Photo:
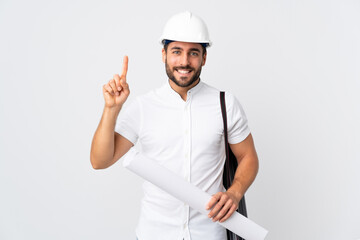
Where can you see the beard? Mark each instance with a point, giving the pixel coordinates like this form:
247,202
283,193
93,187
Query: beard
182,81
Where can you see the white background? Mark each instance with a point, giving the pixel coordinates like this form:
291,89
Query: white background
293,64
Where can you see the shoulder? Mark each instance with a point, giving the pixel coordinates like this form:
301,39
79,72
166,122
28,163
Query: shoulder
208,93
231,99
208,89
137,101
233,105
152,95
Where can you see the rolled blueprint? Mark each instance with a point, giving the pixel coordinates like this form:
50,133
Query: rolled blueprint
188,193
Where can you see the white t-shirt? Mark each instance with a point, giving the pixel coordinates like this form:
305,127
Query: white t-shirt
187,138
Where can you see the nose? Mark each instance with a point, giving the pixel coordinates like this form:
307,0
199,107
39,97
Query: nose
184,60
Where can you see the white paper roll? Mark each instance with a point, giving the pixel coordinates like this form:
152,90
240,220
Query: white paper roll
188,193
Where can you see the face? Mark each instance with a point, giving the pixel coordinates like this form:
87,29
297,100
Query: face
183,62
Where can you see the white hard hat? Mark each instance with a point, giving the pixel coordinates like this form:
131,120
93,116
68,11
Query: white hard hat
186,27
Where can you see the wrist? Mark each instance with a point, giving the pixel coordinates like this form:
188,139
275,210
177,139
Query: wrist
236,192
112,111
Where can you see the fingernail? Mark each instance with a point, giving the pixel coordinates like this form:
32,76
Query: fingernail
119,88
117,93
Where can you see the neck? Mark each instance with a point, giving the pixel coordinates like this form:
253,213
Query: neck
182,91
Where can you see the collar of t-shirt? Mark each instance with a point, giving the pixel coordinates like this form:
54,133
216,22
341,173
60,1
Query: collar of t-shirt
176,96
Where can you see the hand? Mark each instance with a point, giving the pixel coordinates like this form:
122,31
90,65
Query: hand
117,90
223,205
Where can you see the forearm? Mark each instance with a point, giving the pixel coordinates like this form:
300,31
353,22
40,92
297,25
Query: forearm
223,204
245,175
102,147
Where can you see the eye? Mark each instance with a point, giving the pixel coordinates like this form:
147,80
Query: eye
195,54
176,52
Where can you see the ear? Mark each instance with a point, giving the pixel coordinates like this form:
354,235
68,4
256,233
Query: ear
163,55
204,59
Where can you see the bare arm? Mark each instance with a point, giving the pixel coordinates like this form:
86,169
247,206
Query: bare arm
225,204
248,165
107,145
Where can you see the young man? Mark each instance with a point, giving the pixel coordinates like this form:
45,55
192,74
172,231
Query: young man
180,126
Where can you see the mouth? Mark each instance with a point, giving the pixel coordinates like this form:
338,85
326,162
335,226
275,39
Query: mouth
183,72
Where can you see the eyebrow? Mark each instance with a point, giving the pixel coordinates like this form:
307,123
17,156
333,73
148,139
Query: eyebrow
191,49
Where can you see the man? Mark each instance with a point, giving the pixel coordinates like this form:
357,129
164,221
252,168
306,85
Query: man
180,126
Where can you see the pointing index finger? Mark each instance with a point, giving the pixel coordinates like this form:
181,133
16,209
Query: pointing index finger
125,66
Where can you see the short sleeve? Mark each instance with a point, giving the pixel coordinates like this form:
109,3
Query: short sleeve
129,121
238,128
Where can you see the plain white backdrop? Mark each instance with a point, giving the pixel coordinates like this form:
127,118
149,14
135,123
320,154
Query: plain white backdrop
293,64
